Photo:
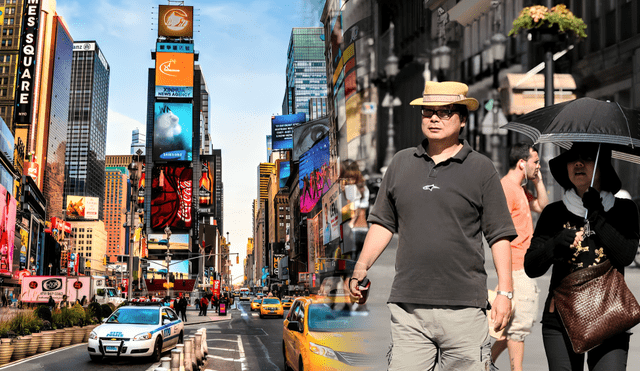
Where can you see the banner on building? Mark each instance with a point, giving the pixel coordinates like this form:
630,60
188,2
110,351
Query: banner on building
331,211
282,129
158,241
174,75
175,21
27,59
314,174
82,208
305,135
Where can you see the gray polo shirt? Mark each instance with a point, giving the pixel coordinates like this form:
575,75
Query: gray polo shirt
440,213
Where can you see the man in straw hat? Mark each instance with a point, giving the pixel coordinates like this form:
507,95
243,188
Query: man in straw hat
441,197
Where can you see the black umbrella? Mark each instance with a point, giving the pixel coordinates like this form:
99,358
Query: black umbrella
584,120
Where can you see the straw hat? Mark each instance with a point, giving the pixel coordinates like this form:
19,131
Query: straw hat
445,93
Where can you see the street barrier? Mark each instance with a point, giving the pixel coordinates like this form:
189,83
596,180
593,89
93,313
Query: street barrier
205,345
180,347
188,354
199,354
175,359
165,362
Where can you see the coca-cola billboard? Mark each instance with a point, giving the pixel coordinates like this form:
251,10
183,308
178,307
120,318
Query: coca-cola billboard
171,197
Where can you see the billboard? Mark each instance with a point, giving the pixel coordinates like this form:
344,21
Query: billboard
176,266
172,132
174,74
7,141
38,289
284,171
314,174
171,190
332,216
81,207
27,62
175,21
282,129
7,230
158,241
306,134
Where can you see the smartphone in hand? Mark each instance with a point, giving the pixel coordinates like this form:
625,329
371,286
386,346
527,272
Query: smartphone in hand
363,286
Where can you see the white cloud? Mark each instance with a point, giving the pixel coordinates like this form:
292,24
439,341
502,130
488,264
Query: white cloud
119,128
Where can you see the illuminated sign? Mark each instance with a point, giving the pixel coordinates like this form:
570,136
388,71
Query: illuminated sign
27,61
171,197
175,21
81,207
282,129
7,231
172,138
158,241
314,175
174,47
174,75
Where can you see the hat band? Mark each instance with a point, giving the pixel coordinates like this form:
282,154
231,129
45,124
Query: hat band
426,98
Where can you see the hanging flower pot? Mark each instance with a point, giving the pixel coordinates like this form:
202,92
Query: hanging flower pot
6,350
546,25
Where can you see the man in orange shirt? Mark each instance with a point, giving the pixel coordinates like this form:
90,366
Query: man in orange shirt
524,166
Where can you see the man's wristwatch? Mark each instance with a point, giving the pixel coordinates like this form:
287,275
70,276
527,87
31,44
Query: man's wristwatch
508,294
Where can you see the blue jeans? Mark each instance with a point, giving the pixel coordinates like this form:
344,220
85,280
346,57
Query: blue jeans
611,355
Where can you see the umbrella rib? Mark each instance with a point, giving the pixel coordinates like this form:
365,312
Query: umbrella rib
628,128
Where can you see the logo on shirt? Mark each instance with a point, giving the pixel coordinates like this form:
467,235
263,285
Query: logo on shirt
430,187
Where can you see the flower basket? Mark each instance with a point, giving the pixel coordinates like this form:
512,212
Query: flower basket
539,21
6,350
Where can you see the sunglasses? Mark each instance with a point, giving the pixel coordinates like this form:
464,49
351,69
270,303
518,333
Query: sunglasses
442,113
575,156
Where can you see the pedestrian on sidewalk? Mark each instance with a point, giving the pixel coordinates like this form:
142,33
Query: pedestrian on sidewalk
524,167
182,304
204,303
215,303
51,303
441,198
196,302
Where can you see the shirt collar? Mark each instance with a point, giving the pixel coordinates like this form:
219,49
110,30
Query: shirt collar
421,150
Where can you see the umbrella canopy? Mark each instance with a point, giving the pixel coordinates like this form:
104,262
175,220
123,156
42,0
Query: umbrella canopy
584,120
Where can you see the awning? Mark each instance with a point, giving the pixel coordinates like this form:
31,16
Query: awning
520,95
465,12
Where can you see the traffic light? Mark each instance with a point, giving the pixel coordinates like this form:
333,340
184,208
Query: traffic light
104,260
237,259
206,272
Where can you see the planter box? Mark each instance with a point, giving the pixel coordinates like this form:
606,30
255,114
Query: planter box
20,347
57,339
66,337
6,351
88,328
78,335
46,341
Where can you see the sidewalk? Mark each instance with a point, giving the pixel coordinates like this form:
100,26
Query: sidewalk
193,318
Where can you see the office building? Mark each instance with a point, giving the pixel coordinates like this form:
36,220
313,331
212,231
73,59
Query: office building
115,201
89,241
87,127
138,141
306,70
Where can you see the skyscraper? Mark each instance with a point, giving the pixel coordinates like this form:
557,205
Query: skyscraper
138,141
115,200
306,70
87,126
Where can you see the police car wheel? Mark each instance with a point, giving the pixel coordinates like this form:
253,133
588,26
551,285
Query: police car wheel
95,358
157,350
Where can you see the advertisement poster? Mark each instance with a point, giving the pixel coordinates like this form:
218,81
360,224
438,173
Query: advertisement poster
331,211
7,230
172,132
81,207
158,241
176,266
174,74
312,240
171,190
314,173
305,135
282,129
216,288
284,171
175,21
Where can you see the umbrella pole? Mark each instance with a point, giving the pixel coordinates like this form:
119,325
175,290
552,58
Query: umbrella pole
587,227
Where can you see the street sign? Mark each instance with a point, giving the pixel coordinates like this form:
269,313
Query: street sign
369,108
489,105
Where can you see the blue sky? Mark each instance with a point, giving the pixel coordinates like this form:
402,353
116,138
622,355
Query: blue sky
242,45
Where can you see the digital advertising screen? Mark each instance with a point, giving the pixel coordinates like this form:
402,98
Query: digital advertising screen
282,129
306,134
174,74
284,171
314,173
175,21
176,266
171,191
7,230
172,131
158,241
82,208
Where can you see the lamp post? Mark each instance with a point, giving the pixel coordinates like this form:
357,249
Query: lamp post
133,176
389,101
167,232
498,52
441,56
50,265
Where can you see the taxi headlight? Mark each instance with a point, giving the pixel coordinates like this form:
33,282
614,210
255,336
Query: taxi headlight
93,335
143,336
322,351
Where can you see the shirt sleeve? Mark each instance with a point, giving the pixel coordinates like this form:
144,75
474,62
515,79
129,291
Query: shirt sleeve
384,210
496,219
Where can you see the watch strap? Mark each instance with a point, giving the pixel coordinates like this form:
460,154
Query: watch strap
508,294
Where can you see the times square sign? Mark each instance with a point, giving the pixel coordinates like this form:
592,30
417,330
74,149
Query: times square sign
27,61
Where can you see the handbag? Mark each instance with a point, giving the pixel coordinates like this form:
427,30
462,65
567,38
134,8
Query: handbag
594,303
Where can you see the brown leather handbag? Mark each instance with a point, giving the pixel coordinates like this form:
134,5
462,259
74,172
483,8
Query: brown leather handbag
594,303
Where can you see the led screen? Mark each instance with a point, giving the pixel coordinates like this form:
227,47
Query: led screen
80,207
176,266
284,171
7,230
306,134
314,174
172,130
158,241
171,190
175,21
282,129
174,75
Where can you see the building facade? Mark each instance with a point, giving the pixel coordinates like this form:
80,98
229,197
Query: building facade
138,141
115,201
90,242
87,125
305,70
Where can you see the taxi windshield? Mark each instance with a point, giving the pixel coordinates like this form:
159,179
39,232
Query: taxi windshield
337,317
270,301
135,316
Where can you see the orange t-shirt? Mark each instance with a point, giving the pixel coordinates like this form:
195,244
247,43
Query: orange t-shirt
518,203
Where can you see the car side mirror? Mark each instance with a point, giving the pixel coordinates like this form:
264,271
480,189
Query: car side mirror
294,326
166,321
104,320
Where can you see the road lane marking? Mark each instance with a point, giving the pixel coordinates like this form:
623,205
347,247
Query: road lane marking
243,359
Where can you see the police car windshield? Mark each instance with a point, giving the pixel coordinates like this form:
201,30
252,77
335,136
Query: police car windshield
135,316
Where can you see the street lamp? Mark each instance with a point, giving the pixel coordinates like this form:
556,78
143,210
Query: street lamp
391,71
133,176
497,56
167,232
50,265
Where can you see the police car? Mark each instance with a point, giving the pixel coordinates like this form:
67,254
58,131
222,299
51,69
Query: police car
137,331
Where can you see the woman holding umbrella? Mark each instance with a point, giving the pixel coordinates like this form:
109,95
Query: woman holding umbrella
564,239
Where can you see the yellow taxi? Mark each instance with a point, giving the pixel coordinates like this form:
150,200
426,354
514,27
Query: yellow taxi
271,306
255,304
328,333
286,302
